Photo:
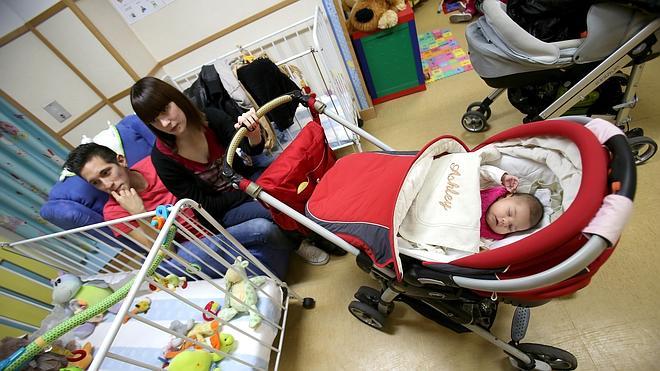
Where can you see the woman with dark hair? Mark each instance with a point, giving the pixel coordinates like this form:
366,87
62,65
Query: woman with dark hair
189,154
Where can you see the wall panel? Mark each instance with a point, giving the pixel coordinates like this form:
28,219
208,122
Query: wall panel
92,126
34,76
124,105
112,26
79,45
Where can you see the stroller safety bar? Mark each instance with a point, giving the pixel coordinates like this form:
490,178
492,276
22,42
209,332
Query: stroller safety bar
566,269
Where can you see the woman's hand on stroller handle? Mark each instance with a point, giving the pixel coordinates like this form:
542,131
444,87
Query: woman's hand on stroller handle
250,121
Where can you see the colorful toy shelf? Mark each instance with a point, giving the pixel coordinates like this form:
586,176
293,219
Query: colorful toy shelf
390,59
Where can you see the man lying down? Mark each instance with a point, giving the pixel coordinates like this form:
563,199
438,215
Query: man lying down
465,205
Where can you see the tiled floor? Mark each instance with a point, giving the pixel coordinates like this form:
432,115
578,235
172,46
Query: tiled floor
613,324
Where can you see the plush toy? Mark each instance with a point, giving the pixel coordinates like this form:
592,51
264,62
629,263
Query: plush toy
142,306
68,287
84,361
70,296
170,281
205,331
69,290
194,360
182,329
246,292
370,15
43,361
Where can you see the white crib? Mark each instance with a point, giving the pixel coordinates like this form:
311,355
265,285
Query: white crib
93,252
309,46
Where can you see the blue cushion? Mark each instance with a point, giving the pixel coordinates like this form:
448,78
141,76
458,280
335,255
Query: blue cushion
137,140
74,203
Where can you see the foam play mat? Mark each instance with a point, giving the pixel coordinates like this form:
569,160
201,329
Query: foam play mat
441,55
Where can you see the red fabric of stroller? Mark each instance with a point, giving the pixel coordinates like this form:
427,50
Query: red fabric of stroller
293,176
357,200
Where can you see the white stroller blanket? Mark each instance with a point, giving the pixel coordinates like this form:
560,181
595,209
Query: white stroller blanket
447,208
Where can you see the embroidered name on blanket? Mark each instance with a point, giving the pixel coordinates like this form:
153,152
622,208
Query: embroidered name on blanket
447,209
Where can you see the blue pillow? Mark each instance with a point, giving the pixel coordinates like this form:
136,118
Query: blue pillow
74,203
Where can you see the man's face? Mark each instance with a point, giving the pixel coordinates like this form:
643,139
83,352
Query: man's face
106,177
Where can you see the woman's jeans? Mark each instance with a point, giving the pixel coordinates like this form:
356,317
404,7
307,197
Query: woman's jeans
251,225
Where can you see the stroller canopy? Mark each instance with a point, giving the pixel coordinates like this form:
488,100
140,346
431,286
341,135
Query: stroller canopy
499,47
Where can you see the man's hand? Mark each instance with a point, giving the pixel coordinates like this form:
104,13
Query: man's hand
250,120
129,200
510,182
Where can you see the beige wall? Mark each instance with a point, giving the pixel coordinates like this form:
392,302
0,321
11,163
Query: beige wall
83,55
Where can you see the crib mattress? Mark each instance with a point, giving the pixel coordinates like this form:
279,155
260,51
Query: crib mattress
144,343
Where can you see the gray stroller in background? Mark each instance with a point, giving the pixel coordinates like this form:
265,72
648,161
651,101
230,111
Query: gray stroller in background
582,76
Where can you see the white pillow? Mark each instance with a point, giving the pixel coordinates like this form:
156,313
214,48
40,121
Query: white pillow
544,195
109,138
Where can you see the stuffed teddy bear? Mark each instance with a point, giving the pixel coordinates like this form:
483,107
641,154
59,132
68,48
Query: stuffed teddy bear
370,15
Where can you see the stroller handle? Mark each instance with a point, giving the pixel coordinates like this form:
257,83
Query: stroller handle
242,131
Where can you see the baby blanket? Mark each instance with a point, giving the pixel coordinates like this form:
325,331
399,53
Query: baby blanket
447,209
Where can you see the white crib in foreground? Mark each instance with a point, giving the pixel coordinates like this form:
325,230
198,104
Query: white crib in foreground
94,252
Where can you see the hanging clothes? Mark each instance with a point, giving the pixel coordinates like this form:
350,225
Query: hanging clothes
231,84
208,91
264,81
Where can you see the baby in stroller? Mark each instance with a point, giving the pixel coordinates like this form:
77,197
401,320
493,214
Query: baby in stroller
503,211
452,215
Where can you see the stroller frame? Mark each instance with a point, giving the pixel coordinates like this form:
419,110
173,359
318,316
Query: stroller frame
635,53
440,296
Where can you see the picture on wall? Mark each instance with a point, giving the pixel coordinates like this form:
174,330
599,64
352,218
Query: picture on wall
134,10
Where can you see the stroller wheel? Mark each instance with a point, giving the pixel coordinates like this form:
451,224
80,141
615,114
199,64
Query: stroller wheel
643,148
474,121
479,106
557,359
371,297
309,303
367,314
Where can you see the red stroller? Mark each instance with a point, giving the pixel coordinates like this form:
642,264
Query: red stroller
360,202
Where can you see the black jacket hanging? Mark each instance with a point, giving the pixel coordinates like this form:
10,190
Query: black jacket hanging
208,91
264,81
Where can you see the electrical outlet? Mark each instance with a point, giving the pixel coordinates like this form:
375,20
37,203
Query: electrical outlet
57,111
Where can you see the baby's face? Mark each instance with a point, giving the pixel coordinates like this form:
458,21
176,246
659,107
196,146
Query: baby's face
508,215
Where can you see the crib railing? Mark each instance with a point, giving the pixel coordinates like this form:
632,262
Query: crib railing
106,250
